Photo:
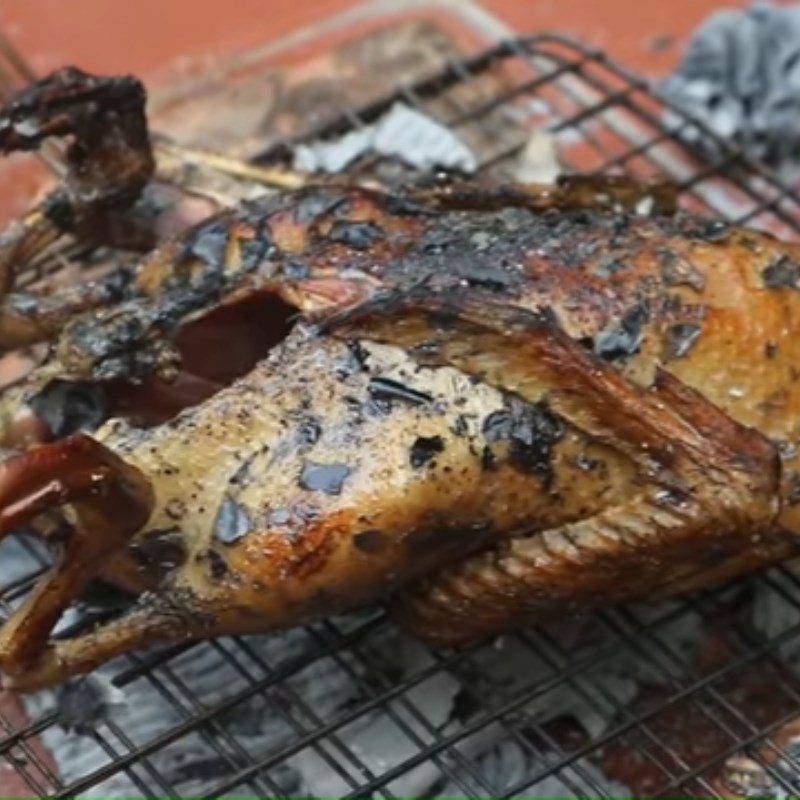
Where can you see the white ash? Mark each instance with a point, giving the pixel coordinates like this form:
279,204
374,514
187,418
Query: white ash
403,133
86,701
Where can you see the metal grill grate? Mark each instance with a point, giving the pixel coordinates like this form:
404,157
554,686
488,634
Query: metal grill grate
699,696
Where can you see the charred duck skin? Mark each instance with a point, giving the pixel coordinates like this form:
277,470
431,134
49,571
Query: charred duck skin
485,406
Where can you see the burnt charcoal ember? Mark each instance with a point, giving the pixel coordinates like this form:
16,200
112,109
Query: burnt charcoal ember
84,703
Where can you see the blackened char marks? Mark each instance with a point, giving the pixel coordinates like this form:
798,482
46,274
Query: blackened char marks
308,431
781,273
212,255
67,407
707,230
389,389
371,541
217,566
159,549
207,242
424,449
256,248
623,339
678,271
315,202
460,426
530,429
457,249
357,235
680,338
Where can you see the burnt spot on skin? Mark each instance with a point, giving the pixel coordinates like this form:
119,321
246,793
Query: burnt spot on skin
207,243
531,430
709,230
242,474
388,389
254,250
326,478
782,273
586,463
348,363
163,549
446,255
57,207
441,536
116,285
679,339
609,267
232,521
315,205
309,431
175,508
460,427
424,449
217,566
357,235
624,339
770,349
359,352
677,271
67,407
488,459
371,541
296,270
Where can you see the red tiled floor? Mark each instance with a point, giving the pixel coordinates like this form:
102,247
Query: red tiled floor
645,36
143,35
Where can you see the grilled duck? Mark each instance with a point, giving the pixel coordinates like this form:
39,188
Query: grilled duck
485,406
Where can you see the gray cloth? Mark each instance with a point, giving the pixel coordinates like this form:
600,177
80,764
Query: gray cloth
740,75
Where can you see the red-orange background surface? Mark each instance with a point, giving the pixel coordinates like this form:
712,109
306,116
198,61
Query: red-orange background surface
145,35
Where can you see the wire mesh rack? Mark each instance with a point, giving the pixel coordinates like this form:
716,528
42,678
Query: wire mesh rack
696,697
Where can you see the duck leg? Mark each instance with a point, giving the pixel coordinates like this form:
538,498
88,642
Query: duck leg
106,501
